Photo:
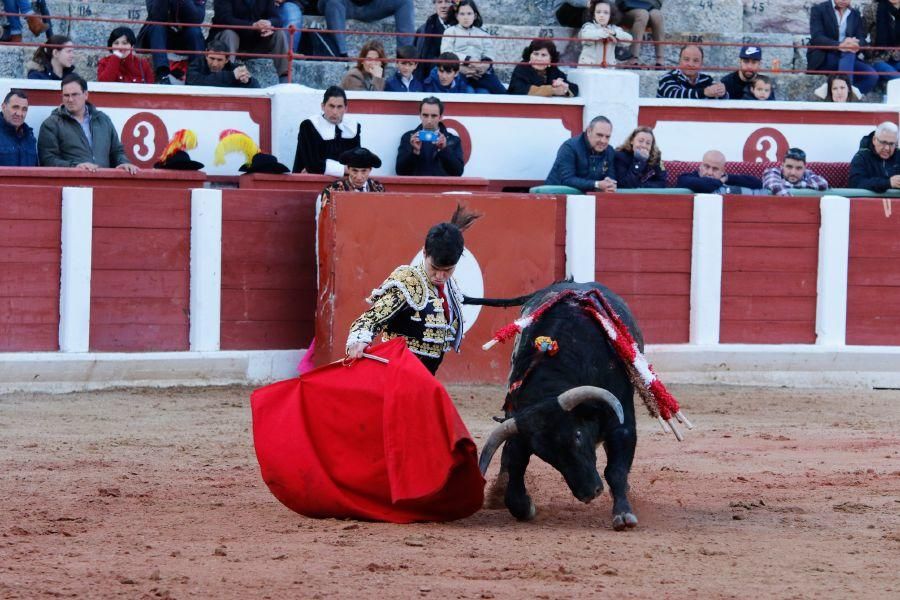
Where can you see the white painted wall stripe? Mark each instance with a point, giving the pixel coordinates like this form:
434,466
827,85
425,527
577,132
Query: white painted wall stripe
831,283
581,227
206,270
706,269
75,269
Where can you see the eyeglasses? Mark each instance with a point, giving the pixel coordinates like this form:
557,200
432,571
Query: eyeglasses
884,143
796,154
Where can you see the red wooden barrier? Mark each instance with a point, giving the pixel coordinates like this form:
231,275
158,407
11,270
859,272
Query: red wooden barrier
316,183
268,269
769,269
140,277
643,253
29,269
61,177
873,284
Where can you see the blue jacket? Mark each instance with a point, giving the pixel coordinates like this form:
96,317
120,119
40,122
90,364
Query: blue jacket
824,31
432,84
18,148
395,83
578,166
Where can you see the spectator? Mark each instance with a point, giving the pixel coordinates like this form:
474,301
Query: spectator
122,65
466,39
163,38
446,78
324,137
687,81
541,77
54,60
368,74
262,16
571,13
405,79
637,14
882,22
876,166
291,13
739,82
711,177
639,161
833,23
18,147
430,47
338,11
215,70
838,89
359,163
760,89
587,162
14,23
430,149
78,135
792,175
601,34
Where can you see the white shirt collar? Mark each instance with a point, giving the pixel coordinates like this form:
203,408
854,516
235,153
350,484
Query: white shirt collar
326,128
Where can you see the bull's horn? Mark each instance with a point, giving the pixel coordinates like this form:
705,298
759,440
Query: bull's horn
572,398
500,434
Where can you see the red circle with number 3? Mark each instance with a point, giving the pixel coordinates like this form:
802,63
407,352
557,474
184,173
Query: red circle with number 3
144,137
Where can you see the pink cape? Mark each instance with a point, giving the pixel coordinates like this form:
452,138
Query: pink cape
371,441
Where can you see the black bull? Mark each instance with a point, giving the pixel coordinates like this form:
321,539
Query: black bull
562,407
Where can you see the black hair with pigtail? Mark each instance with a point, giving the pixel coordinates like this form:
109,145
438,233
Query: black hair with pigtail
444,242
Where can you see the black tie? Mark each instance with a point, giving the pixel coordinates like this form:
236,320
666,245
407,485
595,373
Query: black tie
337,132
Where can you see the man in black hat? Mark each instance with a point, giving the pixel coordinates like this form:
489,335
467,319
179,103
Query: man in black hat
359,163
739,83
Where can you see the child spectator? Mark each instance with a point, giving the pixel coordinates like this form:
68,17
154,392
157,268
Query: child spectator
760,89
472,44
446,78
430,47
639,161
601,33
368,74
541,77
54,60
122,65
404,78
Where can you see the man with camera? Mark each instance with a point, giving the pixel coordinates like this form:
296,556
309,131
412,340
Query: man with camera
429,149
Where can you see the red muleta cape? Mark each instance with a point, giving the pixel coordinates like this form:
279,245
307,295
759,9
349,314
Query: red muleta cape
372,441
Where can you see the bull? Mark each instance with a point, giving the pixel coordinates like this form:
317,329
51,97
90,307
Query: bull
561,407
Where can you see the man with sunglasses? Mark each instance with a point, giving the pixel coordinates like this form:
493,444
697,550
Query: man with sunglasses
792,175
876,166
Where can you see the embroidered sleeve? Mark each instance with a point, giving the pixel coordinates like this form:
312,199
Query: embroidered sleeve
368,324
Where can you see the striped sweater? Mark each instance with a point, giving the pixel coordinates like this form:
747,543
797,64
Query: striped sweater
675,84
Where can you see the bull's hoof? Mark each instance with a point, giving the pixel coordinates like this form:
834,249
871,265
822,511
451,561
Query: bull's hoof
525,513
623,521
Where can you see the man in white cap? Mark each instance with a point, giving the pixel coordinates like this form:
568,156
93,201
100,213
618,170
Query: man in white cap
739,83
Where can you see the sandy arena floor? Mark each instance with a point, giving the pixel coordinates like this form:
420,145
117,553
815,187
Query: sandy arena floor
157,494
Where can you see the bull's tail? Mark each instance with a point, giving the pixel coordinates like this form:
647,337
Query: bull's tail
499,302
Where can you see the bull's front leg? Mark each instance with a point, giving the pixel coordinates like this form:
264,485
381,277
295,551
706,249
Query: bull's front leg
619,455
514,461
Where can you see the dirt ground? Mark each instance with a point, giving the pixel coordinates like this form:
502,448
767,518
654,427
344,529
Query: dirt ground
156,494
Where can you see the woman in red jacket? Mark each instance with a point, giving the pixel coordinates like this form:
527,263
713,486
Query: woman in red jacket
122,65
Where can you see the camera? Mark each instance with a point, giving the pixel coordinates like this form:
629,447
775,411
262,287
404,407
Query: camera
428,136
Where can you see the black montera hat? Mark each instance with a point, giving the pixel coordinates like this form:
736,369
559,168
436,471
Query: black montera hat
360,158
179,161
264,163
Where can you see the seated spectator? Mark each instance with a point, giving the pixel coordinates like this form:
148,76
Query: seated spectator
338,11
446,78
430,149
54,60
847,39
876,166
215,70
792,175
291,13
368,74
359,163
881,19
404,78
687,81
600,35
639,161
14,23
760,89
711,177
18,148
430,47
122,65
739,82
570,13
587,162
541,77
161,37
636,15
838,89
78,135
325,136
466,39
262,16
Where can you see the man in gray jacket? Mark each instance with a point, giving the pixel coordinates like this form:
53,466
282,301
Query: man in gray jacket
78,135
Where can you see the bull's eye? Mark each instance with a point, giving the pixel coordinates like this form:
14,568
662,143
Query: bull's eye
578,437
